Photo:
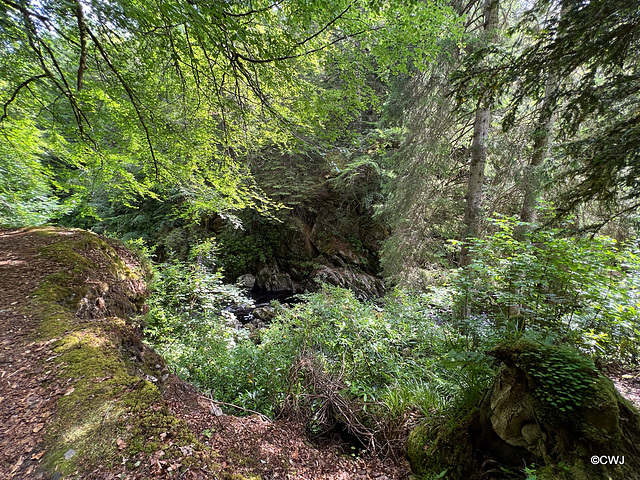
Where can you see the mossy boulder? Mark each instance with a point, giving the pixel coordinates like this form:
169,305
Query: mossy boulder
548,407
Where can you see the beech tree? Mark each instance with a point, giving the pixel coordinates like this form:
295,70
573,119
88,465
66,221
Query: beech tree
140,96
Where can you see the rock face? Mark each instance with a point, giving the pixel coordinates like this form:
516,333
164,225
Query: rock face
328,233
271,279
306,256
512,415
548,406
363,284
247,281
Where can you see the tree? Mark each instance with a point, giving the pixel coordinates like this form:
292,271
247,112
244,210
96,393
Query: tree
177,92
591,46
430,172
475,182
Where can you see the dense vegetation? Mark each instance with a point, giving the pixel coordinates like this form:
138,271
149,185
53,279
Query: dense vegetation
479,157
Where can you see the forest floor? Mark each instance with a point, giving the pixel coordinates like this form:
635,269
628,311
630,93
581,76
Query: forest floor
32,386
236,448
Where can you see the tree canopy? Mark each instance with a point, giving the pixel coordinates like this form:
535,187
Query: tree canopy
139,95
590,49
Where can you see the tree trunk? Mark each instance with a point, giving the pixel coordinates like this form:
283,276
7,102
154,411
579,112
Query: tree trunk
541,141
473,207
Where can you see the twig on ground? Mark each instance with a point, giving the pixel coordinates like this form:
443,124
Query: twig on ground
261,415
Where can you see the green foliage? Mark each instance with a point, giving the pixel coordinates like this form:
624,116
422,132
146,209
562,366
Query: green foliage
27,193
242,249
562,376
577,290
177,96
392,360
375,350
424,190
530,472
596,96
187,294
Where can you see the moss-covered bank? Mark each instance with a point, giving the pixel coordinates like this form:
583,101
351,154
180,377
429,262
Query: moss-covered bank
111,416
549,411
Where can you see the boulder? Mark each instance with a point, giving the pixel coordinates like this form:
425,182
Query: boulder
549,407
247,281
270,278
264,313
364,285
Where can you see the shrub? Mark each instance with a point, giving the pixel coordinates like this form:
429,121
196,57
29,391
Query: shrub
330,359
581,291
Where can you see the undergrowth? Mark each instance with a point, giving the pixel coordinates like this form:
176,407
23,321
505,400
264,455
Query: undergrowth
371,368
330,359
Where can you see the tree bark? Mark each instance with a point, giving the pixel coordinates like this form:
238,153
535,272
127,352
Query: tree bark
82,31
541,141
474,197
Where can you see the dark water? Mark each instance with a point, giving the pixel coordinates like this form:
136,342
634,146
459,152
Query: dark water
261,298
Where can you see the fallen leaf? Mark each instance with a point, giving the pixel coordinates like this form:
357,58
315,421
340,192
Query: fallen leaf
17,465
37,456
121,444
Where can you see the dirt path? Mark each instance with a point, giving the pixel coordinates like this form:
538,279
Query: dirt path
29,387
628,384
279,450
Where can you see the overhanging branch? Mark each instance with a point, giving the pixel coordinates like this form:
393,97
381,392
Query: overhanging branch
17,90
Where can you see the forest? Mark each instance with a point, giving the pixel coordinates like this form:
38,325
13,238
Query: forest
409,226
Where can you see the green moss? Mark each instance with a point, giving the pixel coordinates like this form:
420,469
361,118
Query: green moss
97,408
562,471
241,459
417,445
600,422
441,446
68,251
105,402
88,412
561,377
237,476
580,408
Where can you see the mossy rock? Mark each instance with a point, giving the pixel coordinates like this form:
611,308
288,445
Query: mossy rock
439,447
548,407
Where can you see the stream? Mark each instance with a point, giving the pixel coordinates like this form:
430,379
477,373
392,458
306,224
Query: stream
262,312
